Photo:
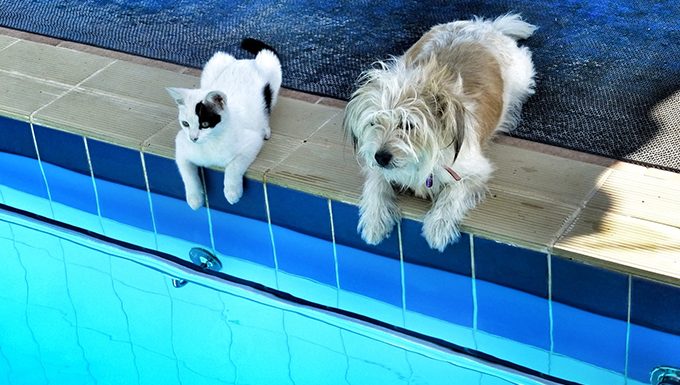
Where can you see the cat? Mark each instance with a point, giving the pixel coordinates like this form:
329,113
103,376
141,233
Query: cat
224,122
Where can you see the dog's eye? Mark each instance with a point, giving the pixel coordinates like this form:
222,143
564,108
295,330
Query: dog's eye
185,123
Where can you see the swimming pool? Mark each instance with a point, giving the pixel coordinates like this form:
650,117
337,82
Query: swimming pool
543,313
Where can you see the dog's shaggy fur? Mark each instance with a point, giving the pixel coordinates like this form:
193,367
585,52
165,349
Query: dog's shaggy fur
421,121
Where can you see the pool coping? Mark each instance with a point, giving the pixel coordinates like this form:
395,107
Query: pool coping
585,207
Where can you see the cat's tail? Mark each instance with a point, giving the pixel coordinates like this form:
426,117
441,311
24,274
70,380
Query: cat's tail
254,46
267,63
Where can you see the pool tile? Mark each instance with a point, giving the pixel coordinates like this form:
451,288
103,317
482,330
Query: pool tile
650,348
21,174
251,204
655,305
16,137
124,121
62,149
140,82
579,334
345,220
121,187
589,288
302,234
56,64
511,266
369,270
242,237
513,314
20,96
68,174
455,258
172,215
439,294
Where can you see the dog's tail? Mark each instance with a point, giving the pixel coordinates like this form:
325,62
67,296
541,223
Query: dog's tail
512,25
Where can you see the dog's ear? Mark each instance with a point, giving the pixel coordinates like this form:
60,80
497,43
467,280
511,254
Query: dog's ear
450,120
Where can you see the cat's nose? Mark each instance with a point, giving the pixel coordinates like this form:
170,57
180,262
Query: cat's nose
194,139
383,158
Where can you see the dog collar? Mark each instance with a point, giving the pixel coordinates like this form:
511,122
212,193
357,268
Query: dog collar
430,179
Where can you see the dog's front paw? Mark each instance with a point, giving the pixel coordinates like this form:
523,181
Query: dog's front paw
233,193
439,232
194,199
374,230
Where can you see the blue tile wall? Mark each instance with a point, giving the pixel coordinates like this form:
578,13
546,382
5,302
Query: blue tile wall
172,215
513,314
651,348
511,266
164,177
655,305
455,258
360,267
58,148
307,250
590,288
117,169
345,220
251,204
242,237
589,337
439,294
16,137
62,149
21,172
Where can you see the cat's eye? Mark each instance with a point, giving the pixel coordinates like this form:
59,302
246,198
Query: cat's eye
204,124
185,123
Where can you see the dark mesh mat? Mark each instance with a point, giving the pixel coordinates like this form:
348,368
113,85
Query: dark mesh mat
608,71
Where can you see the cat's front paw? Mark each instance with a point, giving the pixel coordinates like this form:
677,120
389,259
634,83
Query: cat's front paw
233,193
440,231
195,200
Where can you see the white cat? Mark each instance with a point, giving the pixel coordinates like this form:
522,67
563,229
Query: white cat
225,122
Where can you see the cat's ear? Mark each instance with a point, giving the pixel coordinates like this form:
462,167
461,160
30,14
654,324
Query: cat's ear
177,94
217,99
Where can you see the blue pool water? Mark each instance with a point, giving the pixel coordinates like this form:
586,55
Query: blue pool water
77,310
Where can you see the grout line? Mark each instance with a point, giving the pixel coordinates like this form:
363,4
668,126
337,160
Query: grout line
335,254
94,185
301,143
322,125
271,233
42,169
571,220
148,194
473,280
550,313
12,43
402,276
207,209
630,291
31,116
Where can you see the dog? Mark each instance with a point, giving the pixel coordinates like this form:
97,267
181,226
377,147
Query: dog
421,122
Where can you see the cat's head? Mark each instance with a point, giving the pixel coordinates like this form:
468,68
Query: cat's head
200,111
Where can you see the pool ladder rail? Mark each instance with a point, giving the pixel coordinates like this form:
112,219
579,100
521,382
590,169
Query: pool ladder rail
665,375
205,260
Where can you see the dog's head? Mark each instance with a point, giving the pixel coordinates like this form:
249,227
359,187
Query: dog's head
401,119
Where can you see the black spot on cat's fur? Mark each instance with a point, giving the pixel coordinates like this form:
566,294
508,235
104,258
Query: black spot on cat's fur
267,93
254,46
207,114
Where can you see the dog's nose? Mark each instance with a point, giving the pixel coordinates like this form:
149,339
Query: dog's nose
383,158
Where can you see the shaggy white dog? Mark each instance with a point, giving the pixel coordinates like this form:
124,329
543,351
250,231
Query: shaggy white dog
421,121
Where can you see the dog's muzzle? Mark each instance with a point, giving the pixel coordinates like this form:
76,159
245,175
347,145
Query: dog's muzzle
383,158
